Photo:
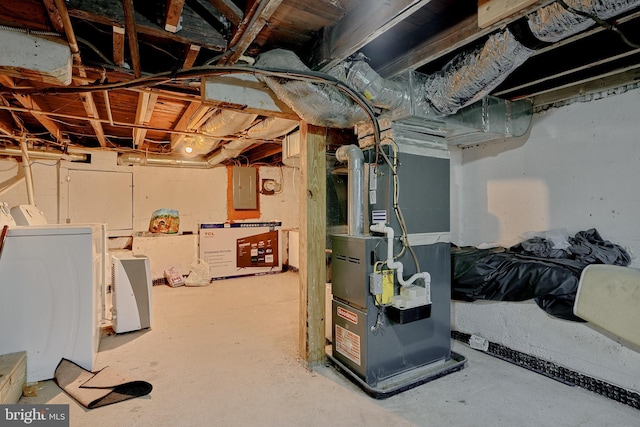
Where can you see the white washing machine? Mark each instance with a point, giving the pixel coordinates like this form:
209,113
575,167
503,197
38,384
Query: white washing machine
51,295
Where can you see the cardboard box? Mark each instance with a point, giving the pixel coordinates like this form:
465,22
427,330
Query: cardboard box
13,375
241,248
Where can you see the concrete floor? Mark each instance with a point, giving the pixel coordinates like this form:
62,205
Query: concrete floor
226,355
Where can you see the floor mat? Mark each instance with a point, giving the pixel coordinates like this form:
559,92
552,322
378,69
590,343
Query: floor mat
95,389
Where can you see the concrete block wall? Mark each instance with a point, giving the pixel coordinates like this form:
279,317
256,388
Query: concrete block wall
577,169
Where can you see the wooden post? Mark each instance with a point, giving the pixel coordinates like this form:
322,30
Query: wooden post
313,222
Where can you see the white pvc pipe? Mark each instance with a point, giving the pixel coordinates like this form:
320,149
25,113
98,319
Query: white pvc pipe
27,171
379,227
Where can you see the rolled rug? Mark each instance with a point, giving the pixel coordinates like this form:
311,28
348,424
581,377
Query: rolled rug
95,389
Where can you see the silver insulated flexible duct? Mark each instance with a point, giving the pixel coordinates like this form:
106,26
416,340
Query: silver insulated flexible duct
318,104
470,76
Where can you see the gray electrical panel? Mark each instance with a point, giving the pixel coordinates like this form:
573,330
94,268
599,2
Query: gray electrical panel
245,191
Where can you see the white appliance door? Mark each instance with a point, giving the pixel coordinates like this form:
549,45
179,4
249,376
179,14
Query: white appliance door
48,298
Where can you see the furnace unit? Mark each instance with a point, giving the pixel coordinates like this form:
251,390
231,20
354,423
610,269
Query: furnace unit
391,273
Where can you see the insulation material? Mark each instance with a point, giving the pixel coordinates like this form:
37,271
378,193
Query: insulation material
554,23
470,76
199,144
317,104
272,127
360,76
230,150
227,122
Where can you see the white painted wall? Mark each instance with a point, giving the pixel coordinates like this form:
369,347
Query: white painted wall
578,169
200,195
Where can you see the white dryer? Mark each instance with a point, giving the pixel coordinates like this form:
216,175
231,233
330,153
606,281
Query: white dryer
51,295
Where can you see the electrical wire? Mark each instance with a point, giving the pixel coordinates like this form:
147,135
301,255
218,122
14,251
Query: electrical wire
600,22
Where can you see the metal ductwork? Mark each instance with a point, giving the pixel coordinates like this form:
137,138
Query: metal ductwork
230,150
44,155
470,76
355,193
147,159
227,122
318,104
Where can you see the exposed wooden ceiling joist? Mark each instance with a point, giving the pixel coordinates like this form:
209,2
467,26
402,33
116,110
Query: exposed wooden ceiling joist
146,104
132,36
118,46
264,150
54,15
450,40
229,10
254,24
34,108
173,12
110,13
190,56
362,25
87,98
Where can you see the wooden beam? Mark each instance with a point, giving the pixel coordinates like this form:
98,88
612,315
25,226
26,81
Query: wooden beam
92,113
173,12
193,117
118,46
313,221
35,107
191,55
255,24
54,15
549,77
6,123
360,26
87,98
262,151
229,10
434,47
602,82
449,40
44,113
132,35
492,11
146,104
110,13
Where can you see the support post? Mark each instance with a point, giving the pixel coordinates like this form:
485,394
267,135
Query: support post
313,242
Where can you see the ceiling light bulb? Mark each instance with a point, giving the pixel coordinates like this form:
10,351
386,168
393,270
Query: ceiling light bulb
188,149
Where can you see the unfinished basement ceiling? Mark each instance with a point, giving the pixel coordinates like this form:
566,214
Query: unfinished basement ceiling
119,41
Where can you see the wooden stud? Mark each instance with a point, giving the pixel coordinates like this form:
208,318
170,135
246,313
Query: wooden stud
6,123
35,107
229,10
450,39
194,116
146,104
54,15
110,13
173,12
492,11
312,248
92,113
363,24
190,57
118,46
256,23
132,35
